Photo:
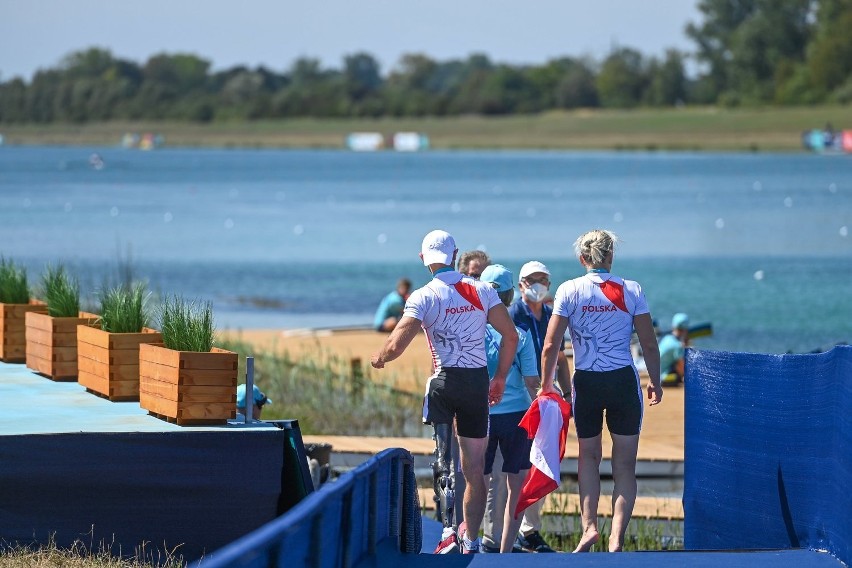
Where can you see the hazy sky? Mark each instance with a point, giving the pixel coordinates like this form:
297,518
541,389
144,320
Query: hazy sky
39,33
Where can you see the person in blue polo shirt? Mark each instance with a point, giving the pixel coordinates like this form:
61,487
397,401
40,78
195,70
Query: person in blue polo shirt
521,384
532,313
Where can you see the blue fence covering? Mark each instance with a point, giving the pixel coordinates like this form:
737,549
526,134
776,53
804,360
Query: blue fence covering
768,454
371,508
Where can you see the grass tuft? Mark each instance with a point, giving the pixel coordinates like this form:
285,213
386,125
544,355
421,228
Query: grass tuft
187,326
330,396
13,283
61,292
81,555
124,308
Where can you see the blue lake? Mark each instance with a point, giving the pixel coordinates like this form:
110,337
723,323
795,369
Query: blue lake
757,244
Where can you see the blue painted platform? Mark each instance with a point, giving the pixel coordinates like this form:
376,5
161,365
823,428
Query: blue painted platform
34,404
75,466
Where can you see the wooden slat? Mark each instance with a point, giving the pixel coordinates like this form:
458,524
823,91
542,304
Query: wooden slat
64,370
189,393
132,341
157,405
113,390
215,359
201,412
39,364
59,354
208,377
107,340
109,372
19,311
40,321
13,352
205,411
93,382
55,339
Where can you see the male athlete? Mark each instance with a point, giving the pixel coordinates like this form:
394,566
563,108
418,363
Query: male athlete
453,310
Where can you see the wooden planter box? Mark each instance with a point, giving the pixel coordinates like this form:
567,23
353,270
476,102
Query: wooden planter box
187,387
108,363
13,337
52,344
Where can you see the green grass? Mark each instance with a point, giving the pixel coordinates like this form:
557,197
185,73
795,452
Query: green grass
61,292
564,529
329,396
187,326
13,283
81,555
124,308
687,128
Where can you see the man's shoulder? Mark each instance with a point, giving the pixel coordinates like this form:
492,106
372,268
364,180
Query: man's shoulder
518,313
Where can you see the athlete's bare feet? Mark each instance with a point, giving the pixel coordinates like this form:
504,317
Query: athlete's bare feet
588,540
615,546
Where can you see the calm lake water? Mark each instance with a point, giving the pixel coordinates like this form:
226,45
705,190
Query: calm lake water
757,244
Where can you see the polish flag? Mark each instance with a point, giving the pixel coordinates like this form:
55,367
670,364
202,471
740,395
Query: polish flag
546,423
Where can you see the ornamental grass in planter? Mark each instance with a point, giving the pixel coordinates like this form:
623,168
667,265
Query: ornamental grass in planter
52,337
186,379
15,302
108,355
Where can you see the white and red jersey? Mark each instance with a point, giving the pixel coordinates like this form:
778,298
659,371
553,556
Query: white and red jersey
600,309
453,310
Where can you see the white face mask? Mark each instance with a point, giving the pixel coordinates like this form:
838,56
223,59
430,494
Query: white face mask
535,293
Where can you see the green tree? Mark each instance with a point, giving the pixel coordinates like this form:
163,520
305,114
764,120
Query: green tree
668,80
577,88
622,80
361,75
745,42
829,56
13,101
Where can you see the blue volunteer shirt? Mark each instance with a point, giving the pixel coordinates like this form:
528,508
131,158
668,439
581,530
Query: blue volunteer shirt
524,319
391,305
516,397
671,349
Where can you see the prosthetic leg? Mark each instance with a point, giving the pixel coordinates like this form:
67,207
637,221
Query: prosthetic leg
444,474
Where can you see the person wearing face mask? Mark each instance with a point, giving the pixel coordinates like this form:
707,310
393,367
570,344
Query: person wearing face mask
532,313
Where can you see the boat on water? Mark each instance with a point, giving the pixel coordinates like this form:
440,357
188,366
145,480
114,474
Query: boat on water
144,141
828,140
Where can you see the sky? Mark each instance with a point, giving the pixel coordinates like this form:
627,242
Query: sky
37,34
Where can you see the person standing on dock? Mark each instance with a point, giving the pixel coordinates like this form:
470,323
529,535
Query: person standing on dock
505,435
601,310
532,313
453,310
473,262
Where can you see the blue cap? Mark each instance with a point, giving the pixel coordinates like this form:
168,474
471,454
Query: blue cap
259,398
680,321
498,276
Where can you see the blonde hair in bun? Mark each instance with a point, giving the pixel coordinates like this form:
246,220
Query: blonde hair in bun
595,246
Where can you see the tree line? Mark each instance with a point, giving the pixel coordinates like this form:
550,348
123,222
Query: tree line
748,52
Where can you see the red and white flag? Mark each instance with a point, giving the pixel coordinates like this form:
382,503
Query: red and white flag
546,423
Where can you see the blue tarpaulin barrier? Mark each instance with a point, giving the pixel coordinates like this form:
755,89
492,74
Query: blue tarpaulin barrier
769,451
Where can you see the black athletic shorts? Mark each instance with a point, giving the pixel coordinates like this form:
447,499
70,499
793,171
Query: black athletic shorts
514,443
460,393
617,392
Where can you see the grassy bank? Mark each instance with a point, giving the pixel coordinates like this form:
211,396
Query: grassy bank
704,128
